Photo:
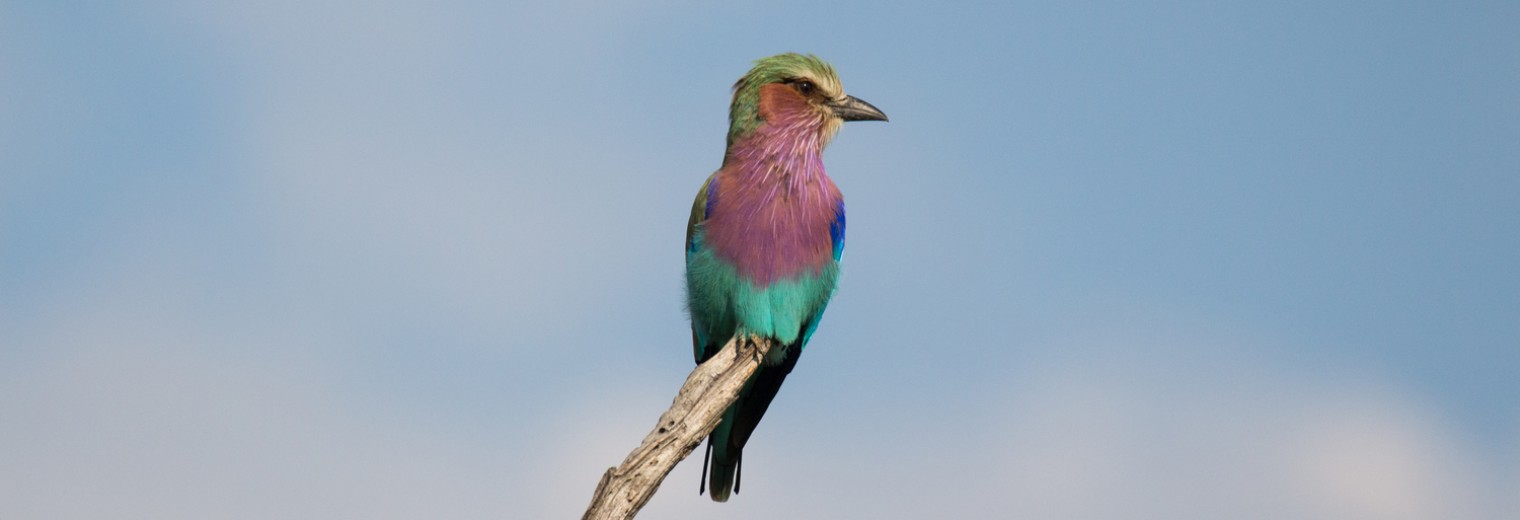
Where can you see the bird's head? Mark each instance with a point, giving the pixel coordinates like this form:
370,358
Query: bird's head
799,91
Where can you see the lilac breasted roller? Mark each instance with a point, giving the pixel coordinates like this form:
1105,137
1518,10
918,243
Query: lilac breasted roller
765,235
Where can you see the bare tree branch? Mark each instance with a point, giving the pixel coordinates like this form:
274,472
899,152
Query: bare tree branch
698,407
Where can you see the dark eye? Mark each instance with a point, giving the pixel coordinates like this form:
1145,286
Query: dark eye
805,87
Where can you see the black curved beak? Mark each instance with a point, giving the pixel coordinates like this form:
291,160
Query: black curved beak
856,109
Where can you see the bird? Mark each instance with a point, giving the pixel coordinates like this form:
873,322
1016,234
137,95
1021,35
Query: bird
765,236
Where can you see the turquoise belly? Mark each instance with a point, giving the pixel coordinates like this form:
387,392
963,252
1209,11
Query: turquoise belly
723,304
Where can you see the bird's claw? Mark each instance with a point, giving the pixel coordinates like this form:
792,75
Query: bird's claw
749,344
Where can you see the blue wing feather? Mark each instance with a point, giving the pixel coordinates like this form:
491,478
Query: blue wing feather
700,209
836,230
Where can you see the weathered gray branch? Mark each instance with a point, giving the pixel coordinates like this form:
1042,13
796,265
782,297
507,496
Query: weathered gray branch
698,407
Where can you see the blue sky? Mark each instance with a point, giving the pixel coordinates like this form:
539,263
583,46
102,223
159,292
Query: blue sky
396,260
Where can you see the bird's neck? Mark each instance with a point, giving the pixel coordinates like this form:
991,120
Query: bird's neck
784,152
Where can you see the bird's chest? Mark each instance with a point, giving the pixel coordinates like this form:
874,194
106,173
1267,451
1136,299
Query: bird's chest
773,235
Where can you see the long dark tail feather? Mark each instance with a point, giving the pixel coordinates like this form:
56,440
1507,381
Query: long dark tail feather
726,443
706,457
725,473
720,483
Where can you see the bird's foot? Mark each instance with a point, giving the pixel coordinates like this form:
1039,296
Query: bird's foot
749,344
740,343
